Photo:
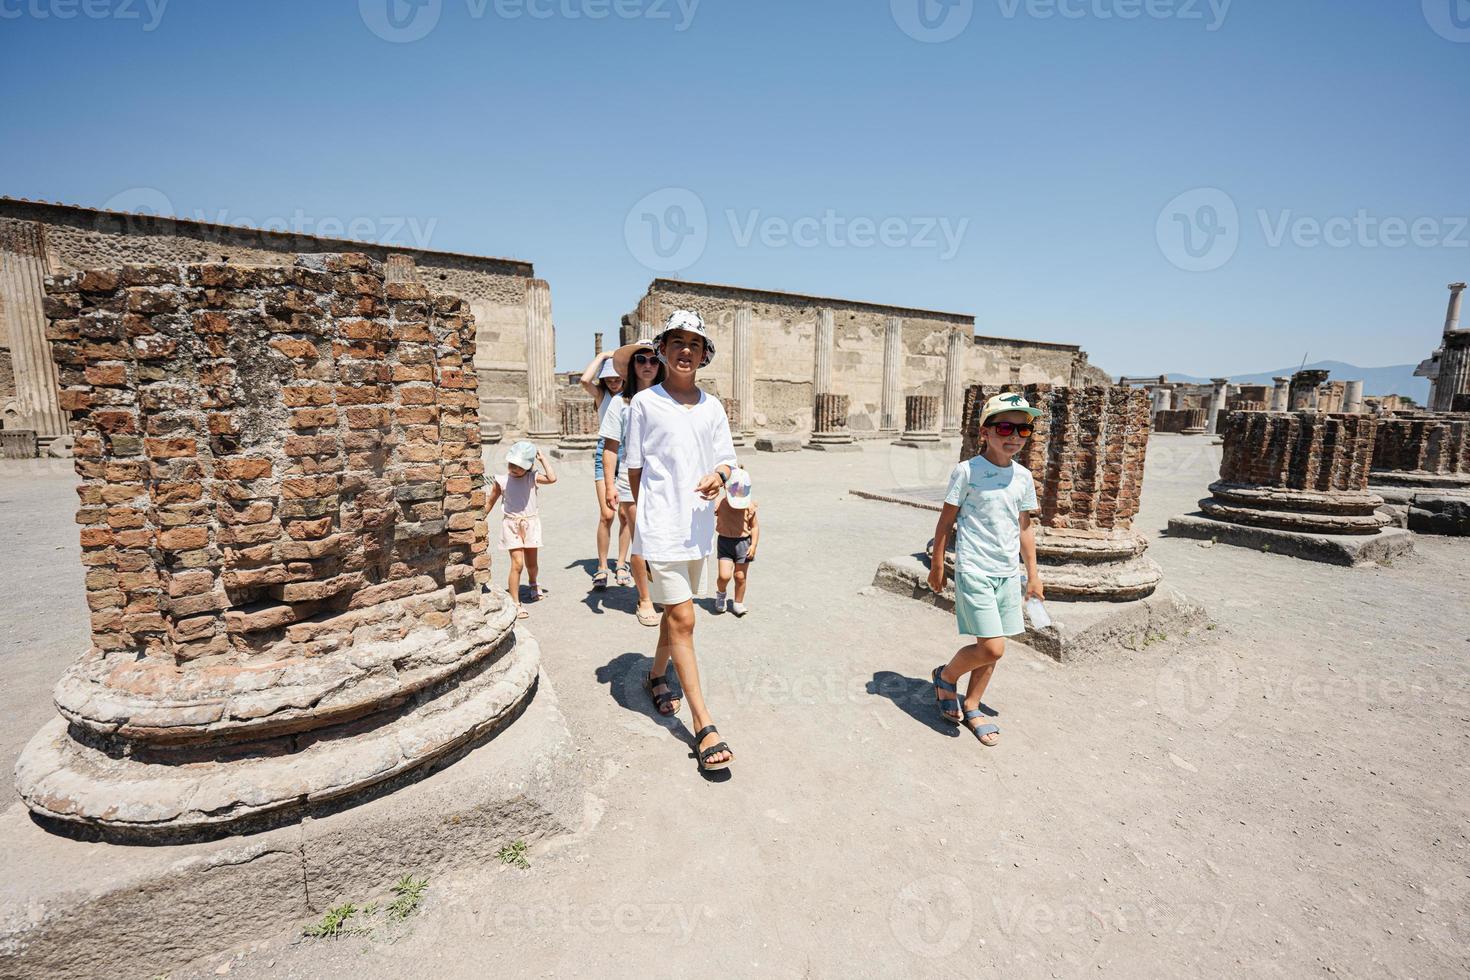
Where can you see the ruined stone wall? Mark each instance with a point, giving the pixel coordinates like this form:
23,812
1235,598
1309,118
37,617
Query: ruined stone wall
783,327
269,456
1312,451
1438,444
495,289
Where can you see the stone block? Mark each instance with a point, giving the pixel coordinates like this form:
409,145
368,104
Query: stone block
1385,544
777,443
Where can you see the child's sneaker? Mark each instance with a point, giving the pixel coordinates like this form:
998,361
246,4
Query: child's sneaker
720,602
738,609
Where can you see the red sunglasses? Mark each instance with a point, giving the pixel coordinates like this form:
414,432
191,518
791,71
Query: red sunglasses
1022,429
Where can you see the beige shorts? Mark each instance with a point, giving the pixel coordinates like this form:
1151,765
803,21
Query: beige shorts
520,532
673,582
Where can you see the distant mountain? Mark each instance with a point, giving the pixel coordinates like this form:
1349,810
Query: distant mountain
1397,379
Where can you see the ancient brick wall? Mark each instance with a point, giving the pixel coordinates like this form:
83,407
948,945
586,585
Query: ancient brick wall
269,455
1438,444
1178,419
1087,454
1298,450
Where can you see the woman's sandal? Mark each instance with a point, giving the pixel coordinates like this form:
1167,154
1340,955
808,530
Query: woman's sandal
662,701
946,705
599,580
625,576
982,730
651,618
716,749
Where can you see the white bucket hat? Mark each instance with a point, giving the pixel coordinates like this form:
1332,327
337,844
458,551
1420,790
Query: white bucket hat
522,454
692,322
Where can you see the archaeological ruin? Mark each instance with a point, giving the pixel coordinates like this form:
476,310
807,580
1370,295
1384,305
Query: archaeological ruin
514,344
1421,468
1448,367
785,349
1297,483
282,520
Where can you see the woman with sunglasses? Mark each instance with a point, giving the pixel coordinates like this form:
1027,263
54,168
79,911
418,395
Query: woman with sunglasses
640,364
602,382
992,498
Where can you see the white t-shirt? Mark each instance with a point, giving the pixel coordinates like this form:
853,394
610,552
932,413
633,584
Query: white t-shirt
614,414
675,447
991,499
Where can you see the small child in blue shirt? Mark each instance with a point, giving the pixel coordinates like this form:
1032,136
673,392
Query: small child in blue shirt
990,502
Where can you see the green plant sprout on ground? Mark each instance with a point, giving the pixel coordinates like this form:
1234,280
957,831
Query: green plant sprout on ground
351,919
410,892
334,923
514,854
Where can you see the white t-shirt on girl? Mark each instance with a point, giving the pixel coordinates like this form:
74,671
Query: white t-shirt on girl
675,447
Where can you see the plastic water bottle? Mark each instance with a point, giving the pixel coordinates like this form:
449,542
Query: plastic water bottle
1036,612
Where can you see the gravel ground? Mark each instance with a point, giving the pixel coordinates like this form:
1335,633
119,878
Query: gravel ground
1279,795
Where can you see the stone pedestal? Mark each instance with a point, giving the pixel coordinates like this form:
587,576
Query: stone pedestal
732,412
579,425
1303,476
283,524
921,421
829,433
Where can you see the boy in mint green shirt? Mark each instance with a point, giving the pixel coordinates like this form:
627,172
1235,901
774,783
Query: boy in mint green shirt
990,501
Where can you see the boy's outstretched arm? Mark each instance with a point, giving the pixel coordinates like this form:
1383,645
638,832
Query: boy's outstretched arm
941,538
1028,556
546,475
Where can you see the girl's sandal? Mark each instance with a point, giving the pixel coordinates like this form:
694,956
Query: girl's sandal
667,703
981,730
521,613
949,708
599,581
716,749
625,576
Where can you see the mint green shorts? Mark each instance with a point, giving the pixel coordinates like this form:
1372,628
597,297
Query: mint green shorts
988,607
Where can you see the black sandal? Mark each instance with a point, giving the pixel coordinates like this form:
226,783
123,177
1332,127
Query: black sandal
661,701
715,749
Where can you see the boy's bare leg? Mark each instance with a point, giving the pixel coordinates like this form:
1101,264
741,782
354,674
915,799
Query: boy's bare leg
993,648
967,659
676,642
740,573
726,569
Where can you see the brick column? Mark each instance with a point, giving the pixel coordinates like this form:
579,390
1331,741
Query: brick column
743,352
921,421
892,375
22,296
544,422
1087,457
284,531
1423,451
829,425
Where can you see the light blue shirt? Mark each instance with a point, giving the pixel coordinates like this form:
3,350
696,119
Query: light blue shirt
991,499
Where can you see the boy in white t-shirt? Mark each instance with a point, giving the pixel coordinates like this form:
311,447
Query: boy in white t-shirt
679,454
993,499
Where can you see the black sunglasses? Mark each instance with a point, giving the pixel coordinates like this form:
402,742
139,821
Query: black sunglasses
644,359
1022,429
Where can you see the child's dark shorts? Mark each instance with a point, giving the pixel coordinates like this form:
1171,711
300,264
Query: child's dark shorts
734,549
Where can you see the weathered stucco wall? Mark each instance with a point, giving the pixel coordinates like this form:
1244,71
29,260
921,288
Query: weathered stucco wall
83,238
784,331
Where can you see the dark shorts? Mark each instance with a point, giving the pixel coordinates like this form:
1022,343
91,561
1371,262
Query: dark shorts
734,549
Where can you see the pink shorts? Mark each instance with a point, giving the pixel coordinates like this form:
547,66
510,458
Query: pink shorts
520,532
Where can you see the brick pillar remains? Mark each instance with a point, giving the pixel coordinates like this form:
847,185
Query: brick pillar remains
579,424
743,352
1281,395
921,421
1216,406
732,412
1297,471
892,375
1194,422
283,525
1424,451
544,424
1087,457
1304,385
829,427
23,304
954,368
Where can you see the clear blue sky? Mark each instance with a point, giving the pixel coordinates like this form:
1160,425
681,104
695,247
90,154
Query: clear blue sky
1054,141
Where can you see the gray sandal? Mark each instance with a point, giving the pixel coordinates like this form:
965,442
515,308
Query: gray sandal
981,730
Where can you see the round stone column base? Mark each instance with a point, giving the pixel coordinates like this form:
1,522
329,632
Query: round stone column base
1100,566
1321,512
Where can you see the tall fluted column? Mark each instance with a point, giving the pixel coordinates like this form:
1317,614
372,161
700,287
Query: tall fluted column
892,375
545,422
1352,397
22,289
1454,371
822,378
1281,394
954,368
743,351
1217,405
1452,313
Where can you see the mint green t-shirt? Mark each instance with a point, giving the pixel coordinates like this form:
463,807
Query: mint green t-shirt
991,499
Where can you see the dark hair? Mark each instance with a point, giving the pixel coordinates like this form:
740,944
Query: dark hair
602,383
630,387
